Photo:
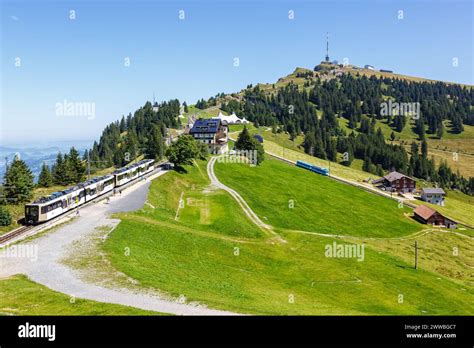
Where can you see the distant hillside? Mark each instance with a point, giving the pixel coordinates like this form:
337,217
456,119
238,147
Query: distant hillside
330,70
336,111
36,154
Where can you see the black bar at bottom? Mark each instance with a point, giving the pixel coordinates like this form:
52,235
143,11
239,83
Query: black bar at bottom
427,331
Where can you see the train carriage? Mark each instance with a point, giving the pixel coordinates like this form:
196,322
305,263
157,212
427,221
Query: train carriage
127,174
47,208
313,168
146,166
98,186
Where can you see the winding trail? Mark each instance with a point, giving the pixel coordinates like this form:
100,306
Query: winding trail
243,204
256,220
56,245
48,269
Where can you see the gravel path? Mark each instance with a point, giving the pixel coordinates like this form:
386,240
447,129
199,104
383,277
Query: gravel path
243,204
56,245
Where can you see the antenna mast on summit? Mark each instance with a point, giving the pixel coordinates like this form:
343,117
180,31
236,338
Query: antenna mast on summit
327,47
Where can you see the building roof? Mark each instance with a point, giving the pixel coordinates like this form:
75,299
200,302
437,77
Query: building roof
210,125
433,190
392,177
424,212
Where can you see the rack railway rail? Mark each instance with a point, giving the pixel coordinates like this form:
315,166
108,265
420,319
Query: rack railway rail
15,233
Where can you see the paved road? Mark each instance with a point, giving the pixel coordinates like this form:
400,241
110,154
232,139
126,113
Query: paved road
57,245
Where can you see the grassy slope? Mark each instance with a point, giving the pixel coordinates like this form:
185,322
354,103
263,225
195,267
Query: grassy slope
20,296
187,257
320,204
441,149
201,203
280,145
459,206
448,253
210,112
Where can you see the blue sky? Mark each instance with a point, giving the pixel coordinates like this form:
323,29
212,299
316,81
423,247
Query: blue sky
82,60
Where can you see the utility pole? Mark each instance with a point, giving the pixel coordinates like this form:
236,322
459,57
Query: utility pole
416,254
88,166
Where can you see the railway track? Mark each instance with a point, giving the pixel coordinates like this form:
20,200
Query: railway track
4,239
15,233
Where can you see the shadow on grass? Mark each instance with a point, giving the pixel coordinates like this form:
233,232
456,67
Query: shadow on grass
417,219
412,267
180,170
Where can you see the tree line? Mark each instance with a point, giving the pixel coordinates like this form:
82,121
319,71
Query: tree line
143,133
314,111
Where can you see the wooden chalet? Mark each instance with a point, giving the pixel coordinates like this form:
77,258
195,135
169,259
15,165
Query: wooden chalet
396,182
430,216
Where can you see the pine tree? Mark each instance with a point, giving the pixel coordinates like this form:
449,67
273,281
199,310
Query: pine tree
45,178
367,166
420,128
243,140
85,156
247,143
457,126
123,125
319,147
309,143
156,147
364,125
131,146
75,166
18,182
331,150
69,173
119,157
59,171
440,130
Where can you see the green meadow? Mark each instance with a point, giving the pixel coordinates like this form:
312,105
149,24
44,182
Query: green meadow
21,296
294,198
209,252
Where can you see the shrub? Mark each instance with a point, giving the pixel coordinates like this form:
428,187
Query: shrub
5,216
